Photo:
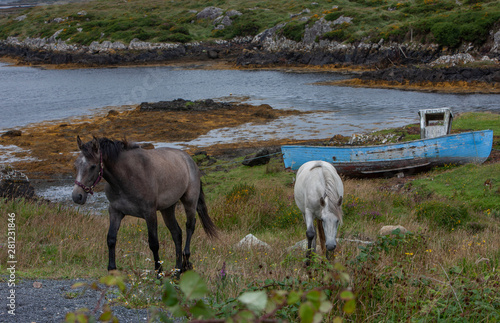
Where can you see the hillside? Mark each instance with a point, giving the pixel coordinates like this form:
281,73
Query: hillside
371,33
445,22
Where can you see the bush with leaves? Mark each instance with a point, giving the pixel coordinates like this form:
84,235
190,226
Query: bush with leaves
310,302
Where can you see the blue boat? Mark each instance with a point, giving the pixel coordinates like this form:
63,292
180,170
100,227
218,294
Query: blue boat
455,149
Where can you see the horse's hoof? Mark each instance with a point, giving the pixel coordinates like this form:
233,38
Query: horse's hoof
187,266
176,273
114,272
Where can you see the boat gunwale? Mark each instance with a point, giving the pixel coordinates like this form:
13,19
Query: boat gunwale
404,143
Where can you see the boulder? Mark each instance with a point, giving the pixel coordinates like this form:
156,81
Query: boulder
388,229
261,158
319,28
209,13
14,184
250,241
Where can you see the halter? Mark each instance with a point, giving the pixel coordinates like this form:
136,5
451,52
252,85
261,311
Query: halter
90,189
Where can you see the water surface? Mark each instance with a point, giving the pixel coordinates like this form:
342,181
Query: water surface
33,94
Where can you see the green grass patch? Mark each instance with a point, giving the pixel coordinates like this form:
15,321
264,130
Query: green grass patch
479,185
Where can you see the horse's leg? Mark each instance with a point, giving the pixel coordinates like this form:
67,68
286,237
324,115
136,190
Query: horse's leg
152,224
190,225
176,232
311,236
115,218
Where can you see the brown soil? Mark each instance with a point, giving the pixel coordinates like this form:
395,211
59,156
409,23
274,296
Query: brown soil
54,144
459,87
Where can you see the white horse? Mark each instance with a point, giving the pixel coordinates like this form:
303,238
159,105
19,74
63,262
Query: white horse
318,194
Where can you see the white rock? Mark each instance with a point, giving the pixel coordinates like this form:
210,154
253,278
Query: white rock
387,229
250,241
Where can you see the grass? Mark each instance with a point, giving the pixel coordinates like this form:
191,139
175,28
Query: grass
446,22
446,267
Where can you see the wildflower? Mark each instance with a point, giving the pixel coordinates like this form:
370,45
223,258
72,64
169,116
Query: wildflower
222,273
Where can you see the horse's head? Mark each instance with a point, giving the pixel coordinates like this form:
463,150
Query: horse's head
331,217
89,170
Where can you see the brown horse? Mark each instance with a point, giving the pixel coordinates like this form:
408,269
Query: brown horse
140,182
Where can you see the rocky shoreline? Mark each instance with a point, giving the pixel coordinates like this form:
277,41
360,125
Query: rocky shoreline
386,61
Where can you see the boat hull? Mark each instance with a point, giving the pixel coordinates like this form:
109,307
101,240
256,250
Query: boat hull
456,149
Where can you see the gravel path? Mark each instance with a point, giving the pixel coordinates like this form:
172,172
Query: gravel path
50,302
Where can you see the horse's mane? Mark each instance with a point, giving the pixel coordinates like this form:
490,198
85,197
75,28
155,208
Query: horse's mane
109,148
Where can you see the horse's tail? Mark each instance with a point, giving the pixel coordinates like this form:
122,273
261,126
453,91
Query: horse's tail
201,208
321,234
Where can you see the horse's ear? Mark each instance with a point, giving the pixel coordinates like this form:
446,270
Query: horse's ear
322,202
340,201
95,144
79,142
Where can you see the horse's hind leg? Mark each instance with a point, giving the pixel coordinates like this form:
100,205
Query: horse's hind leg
176,232
152,224
115,219
190,225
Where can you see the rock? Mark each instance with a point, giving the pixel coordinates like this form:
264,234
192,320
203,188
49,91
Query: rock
14,184
232,13
184,105
301,245
20,18
59,20
342,20
112,113
319,28
452,60
388,229
209,13
250,241
12,133
496,42
223,20
213,54
261,158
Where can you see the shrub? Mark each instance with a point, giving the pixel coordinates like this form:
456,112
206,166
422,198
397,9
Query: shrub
336,35
446,34
294,30
444,215
179,30
240,192
333,16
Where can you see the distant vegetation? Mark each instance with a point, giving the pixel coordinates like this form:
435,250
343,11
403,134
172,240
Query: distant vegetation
446,22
